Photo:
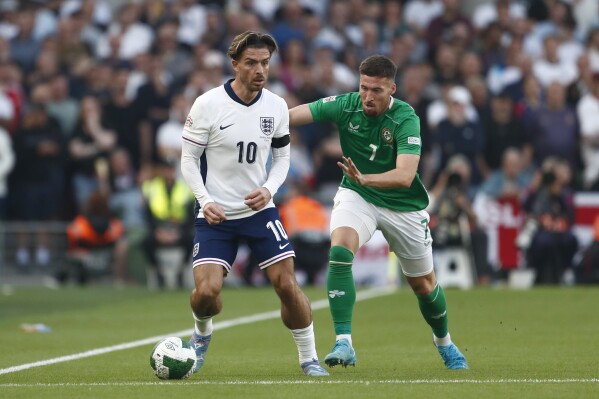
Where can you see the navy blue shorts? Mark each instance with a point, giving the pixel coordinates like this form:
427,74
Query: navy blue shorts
263,232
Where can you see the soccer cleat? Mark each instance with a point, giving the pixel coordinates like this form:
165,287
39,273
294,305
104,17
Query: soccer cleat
200,345
452,357
342,354
313,369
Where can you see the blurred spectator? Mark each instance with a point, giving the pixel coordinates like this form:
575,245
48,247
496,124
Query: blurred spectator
550,69
470,66
338,33
39,173
453,221
98,80
62,106
440,28
125,197
177,62
169,215
289,24
24,47
168,137
457,135
588,115
307,224
154,96
126,36
446,64
392,24
126,119
192,21
551,244
439,108
504,130
499,10
556,129
511,180
419,13
293,63
492,51
7,161
95,243
412,91
90,142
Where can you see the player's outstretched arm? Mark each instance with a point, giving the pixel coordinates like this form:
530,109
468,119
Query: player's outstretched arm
402,176
300,115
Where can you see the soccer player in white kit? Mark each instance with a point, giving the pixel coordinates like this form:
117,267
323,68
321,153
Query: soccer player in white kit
236,126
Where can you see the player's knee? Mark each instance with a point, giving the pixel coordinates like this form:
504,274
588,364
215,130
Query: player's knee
205,293
285,286
422,285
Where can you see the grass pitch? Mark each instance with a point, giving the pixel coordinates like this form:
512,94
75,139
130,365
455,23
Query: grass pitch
540,343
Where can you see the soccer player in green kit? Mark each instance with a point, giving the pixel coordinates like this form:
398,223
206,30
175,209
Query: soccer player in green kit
380,189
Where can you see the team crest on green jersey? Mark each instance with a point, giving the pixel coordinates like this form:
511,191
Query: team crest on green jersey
387,135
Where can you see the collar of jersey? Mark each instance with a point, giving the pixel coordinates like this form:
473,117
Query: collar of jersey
234,96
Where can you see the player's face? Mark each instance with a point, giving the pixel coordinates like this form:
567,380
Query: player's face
375,93
252,68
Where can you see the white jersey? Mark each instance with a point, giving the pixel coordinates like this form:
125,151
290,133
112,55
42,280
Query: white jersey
236,138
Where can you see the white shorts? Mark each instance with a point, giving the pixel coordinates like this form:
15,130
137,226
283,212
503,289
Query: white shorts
406,232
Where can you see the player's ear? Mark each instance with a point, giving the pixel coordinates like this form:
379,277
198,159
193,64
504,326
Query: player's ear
235,65
393,88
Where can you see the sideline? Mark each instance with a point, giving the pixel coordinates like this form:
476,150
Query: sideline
321,304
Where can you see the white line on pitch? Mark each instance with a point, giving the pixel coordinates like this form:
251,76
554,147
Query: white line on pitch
313,382
321,304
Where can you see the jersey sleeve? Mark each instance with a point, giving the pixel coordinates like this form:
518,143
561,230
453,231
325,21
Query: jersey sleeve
283,126
197,125
326,109
407,135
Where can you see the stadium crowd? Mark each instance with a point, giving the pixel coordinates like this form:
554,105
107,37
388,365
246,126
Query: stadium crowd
94,95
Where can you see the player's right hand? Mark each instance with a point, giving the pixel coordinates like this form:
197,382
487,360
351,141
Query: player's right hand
214,213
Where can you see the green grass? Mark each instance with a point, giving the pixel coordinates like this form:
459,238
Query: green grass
515,342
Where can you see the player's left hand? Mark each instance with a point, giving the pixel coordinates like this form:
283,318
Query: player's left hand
351,171
258,198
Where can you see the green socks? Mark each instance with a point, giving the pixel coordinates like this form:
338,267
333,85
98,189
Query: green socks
341,288
434,310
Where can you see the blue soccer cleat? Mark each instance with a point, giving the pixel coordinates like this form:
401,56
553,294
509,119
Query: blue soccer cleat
452,357
200,345
342,354
313,369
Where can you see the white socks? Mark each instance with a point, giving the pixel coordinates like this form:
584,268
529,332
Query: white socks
446,340
306,346
344,336
203,325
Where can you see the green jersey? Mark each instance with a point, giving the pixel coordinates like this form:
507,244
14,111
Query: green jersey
373,144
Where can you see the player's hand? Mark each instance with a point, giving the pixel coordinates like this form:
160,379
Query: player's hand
258,198
351,171
214,213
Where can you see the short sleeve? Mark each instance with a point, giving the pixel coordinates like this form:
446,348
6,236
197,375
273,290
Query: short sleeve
326,109
407,135
283,126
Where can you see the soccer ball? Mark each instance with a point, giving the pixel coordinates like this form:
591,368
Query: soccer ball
172,359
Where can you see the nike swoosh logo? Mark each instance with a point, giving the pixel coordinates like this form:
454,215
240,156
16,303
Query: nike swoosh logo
283,246
224,127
